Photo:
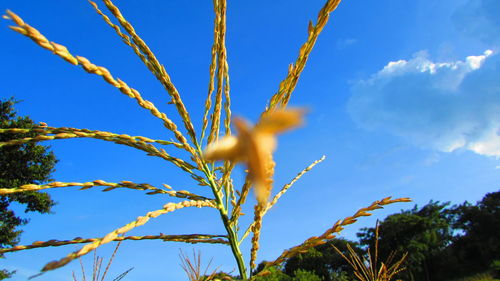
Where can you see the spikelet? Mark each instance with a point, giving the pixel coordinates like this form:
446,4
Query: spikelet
63,52
286,87
167,208
125,38
157,69
331,232
109,187
275,198
241,200
186,238
219,61
138,142
212,67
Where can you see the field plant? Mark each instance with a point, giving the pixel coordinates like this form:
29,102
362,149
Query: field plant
369,268
192,267
213,150
479,277
97,273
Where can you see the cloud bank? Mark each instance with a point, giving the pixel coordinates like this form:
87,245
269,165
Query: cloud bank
440,105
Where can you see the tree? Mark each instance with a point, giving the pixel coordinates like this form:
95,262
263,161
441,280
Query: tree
21,164
477,245
324,261
276,274
424,233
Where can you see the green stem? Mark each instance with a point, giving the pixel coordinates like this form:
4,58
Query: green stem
232,235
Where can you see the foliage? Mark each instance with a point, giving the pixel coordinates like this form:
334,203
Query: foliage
495,267
27,163
476,245
275,274
323,260
448,241
252,145
369,267
304,275
341,276
443,243
422,232
478,277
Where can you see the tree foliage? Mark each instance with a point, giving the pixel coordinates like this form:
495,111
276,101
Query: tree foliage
275,274
324,261
27,163
443,243
477,244
422,232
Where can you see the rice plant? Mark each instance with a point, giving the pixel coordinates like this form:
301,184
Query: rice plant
213,151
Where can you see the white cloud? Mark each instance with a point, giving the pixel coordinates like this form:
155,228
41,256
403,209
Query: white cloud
442,105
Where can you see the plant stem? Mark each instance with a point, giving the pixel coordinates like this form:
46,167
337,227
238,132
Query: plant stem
232,235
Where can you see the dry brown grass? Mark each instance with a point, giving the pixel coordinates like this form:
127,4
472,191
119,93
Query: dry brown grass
97,267
253,145
369,268
192,267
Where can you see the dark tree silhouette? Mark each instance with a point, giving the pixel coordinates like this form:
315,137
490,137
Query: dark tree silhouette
323,260
424,233
477,244
28,163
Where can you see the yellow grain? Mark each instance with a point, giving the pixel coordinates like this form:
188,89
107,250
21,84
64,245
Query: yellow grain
125,38
109,187
157,69
212,67
61,51
222,72
280,193
286,87
167,208
186,238
138,142
336,228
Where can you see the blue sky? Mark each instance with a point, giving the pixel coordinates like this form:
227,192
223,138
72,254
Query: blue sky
404,100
